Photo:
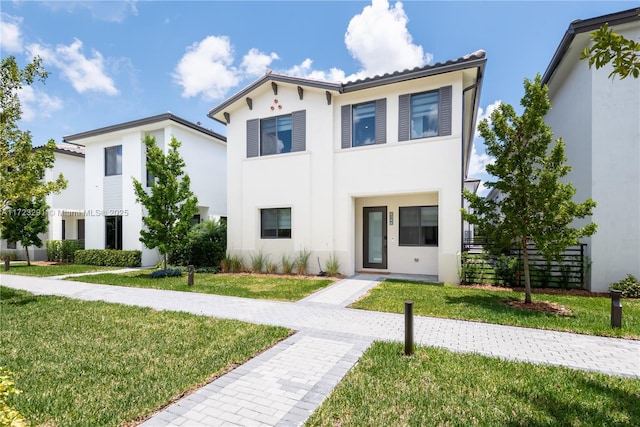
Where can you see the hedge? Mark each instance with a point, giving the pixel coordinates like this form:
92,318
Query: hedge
62,250
109,257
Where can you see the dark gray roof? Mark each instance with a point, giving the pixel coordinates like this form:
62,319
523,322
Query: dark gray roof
142,122
584,26
468,61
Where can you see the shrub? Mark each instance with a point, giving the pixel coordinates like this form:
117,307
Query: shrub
62,250
204,246
258,261
169,272
287,264
232,264
630,286
473,268
507,269
8,415
333,265
12,255
270,267
109,257
302,261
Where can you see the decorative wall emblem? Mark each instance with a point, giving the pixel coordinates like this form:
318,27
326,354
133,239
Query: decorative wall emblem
276,105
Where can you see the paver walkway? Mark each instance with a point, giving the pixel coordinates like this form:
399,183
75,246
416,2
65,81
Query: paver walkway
285,384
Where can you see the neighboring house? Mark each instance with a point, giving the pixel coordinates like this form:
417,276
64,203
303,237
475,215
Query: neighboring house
116,154
369,171
468,230
66,209
598,118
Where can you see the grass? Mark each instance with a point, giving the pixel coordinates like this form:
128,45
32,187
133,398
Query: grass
589,315
23,269
246,286
93,363
437,387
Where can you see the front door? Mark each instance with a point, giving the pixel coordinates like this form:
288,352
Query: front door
374,250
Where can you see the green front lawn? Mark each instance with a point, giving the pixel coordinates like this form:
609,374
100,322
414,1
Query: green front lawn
22,269
436,387
246,286
589,315
86,363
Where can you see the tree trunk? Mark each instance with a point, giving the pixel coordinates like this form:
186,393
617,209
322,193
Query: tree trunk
28,260
527,277
164,261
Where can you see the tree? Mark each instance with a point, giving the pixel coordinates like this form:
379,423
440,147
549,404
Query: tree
22,168
537,207
26,219
169,204
609,47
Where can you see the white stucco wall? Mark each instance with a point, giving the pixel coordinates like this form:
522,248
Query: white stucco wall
114,195
599,119
326,186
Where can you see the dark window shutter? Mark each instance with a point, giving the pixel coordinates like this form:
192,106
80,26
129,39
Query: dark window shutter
381,121
346,126
444,111
298,130
253,132
404,118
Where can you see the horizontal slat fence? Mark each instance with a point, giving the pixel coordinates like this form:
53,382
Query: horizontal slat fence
479,266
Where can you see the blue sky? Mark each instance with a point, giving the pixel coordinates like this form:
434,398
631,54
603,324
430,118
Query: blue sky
116,61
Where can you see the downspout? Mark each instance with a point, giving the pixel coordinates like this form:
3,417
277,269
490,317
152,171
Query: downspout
463,165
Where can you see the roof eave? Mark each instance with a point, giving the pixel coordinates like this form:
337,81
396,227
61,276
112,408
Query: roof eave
580,26
142,122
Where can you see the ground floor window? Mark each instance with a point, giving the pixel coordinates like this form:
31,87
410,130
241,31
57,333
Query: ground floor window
418,226
275,223
11,245
113,232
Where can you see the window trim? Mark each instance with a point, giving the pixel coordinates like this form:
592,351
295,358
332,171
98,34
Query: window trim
419,226
118,150
277,229
444,114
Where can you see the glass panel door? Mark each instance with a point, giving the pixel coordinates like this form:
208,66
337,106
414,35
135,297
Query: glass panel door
374,237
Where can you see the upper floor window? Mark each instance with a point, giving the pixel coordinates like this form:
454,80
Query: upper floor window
113,160
418,226
275,223
364,124
425,114
276,135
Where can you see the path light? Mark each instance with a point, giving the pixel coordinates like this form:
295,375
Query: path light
408,328
616,309
190,275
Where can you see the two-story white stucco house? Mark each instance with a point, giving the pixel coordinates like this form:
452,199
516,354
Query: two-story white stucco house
369,171
66,209
114,155
598,117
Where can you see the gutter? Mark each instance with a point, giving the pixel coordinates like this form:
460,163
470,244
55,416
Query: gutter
464,162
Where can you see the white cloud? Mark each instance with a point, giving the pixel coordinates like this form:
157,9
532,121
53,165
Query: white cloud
207,69
84,74
255,63
10,33
37,104
479,161
378,38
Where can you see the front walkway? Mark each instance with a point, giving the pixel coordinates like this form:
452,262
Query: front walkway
284,385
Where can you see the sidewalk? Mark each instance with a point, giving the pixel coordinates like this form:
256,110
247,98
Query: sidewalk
285,384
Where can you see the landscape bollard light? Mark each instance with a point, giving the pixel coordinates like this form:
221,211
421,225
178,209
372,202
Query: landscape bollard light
7,264
616,309
408,328
190,275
